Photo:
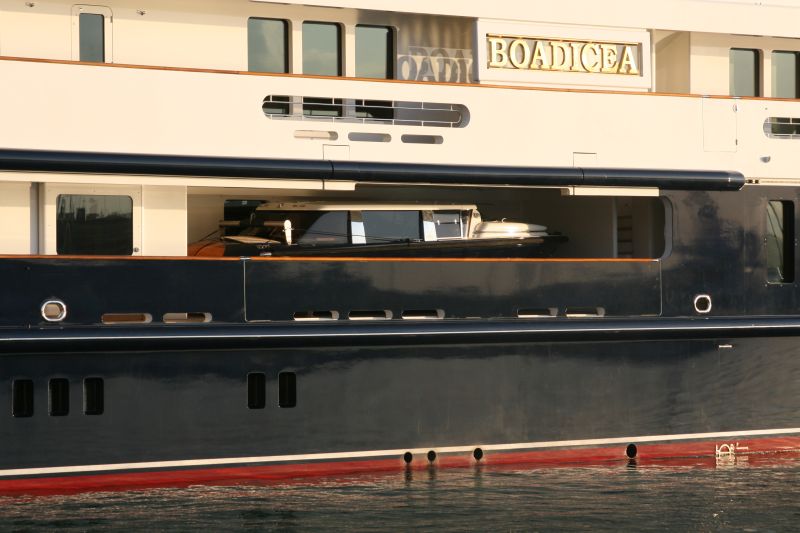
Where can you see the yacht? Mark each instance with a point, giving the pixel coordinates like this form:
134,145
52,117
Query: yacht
643,157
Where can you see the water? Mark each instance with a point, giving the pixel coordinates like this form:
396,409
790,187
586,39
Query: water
749,495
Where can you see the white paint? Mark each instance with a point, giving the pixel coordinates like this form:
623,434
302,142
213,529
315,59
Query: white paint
164,221
393,453
762,17
16,235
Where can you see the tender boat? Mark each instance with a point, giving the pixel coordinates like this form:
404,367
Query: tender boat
375,230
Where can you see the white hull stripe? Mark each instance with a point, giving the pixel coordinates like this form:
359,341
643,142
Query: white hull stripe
390,453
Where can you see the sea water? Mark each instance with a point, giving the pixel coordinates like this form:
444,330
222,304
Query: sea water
746,494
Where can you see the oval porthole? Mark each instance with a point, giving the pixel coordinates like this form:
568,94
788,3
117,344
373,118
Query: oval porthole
54,310
702,304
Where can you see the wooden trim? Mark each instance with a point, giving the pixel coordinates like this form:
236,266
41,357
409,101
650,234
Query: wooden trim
377,80
331,259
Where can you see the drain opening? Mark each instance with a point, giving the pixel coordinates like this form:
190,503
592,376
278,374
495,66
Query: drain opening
407,457
631,451
477,453
431,456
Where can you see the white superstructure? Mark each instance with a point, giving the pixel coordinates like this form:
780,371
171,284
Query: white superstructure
672,84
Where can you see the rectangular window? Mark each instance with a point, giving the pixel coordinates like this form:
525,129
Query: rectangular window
374,52
322,49
780,241
322,107
392,226
450,224
93,397
377,110
277,105
94,225
745,73
287,389
256,390
267,45
59,397
785,74
22,398
92,37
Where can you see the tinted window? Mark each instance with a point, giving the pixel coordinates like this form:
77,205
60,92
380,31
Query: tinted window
374,57
744,73
22,398
92,37
322,52
322,107
256,390
780,242
388,226
267,50
448,224
784,74
314,228
59,397
93,396
94,225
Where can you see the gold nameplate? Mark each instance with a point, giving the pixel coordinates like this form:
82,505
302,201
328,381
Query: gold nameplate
563,55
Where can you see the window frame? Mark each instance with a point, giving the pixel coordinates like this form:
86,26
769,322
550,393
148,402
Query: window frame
49,214
787,270
108,20
391,50
340,46
287,43
759,72
796,55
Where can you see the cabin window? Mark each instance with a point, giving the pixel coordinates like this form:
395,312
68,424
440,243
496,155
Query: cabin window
780,241
322,107
94,224
287,389
92,37
256,390
59,397
322,49
93,396
785,74
374,52
392,226
745,75
267,45
22,398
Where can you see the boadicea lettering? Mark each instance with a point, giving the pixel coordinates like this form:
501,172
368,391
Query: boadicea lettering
532,53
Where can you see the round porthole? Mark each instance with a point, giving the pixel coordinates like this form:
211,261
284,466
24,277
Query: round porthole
54,310
702,303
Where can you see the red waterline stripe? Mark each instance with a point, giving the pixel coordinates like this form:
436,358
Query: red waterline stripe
732,447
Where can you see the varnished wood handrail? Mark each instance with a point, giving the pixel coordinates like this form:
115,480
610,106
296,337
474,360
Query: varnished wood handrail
378,80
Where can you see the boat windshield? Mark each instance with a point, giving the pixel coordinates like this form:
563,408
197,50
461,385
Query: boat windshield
310,228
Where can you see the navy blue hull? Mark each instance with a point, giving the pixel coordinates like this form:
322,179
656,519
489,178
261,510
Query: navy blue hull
165,405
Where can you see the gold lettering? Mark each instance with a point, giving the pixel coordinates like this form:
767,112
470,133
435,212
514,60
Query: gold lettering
609,58
565,56
498,52
513,53
562,59
628,63
540,60
577,48
589,64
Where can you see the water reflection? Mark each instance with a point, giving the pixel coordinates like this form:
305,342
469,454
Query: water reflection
697,494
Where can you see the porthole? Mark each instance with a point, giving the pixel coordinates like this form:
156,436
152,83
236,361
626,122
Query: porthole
702,304
54,310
